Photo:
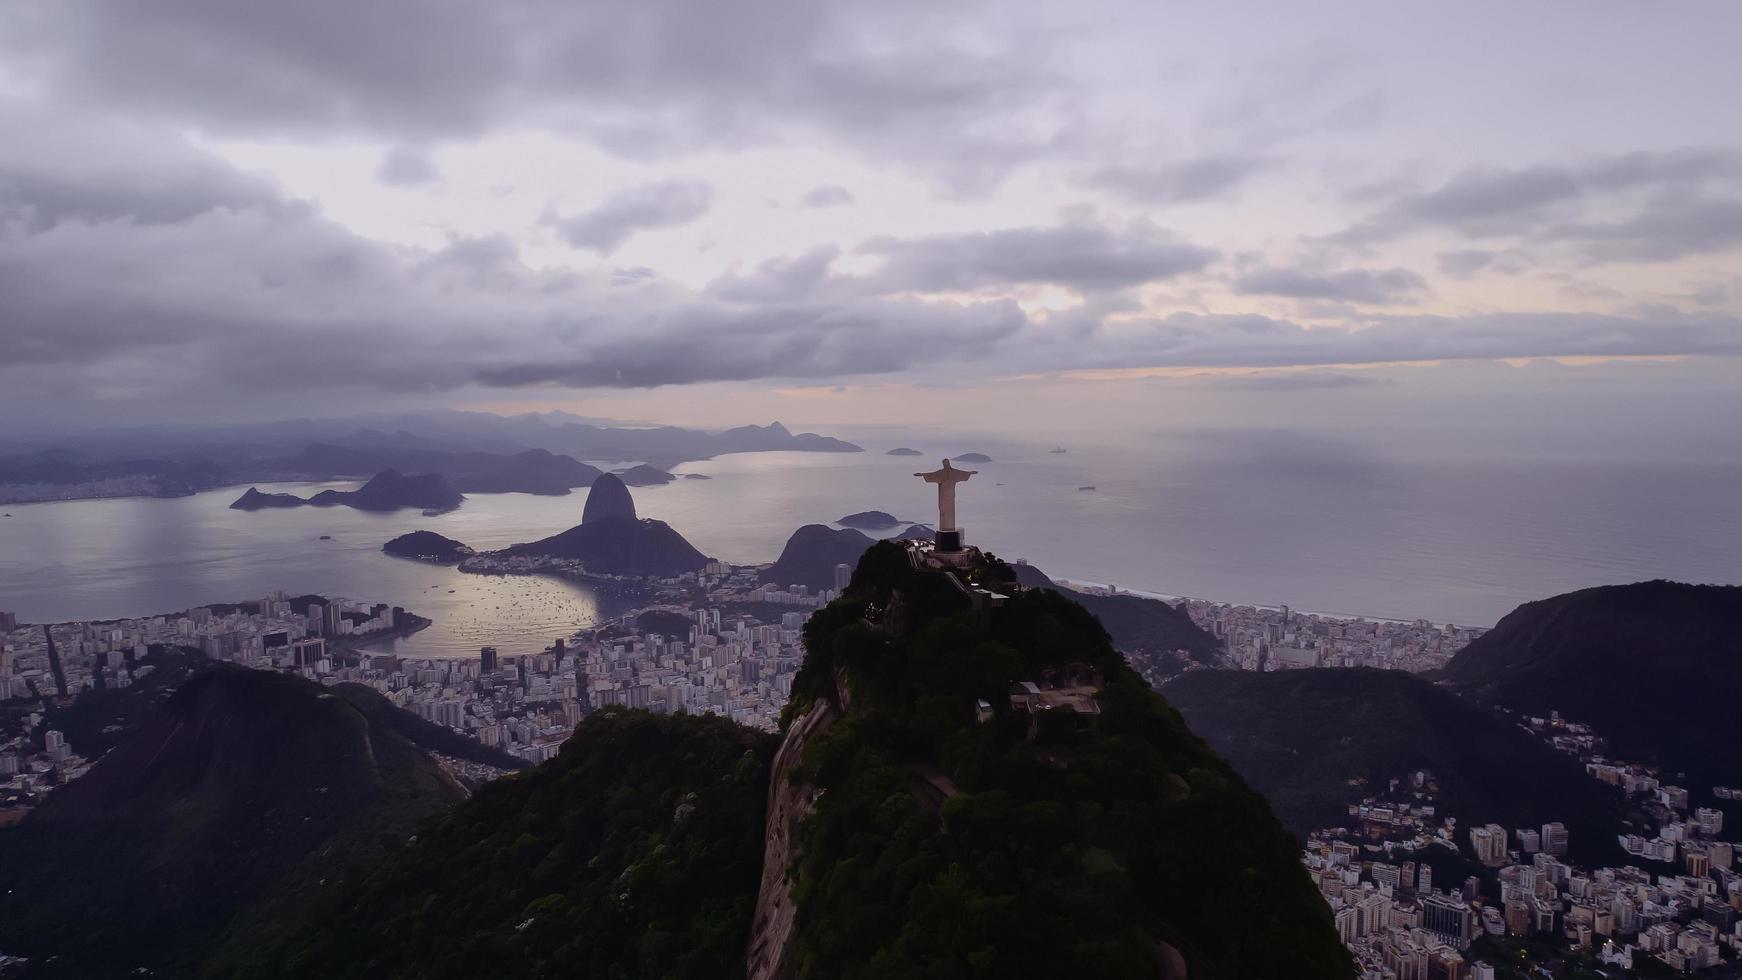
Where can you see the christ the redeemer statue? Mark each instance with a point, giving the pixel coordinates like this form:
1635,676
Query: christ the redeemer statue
949,536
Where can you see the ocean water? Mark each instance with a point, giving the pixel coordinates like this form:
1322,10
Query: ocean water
1284,521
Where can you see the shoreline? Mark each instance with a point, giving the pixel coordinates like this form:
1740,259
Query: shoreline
629,591
352,644
1077,585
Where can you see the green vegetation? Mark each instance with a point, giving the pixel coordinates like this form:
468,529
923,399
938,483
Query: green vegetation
635,853
1080,849
1137,623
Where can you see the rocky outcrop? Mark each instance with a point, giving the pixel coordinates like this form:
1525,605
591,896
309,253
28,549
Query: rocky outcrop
788,802
428,546
609,497
255,500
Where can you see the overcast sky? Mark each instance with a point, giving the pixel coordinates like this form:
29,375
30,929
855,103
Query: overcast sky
702,211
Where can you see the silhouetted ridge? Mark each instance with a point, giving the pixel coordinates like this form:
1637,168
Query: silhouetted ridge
811,554
388,490
253,499
1299,736
532,471
634,853
1142,623
874,519
392,490
245,786
1655,667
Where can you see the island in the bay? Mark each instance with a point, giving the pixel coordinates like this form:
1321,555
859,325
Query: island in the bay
972,458
643,475
428,546
388,490
903,451
610,541
477,453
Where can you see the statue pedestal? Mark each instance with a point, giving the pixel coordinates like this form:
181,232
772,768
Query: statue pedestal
949,541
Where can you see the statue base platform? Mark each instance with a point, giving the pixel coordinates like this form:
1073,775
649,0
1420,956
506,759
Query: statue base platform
949,541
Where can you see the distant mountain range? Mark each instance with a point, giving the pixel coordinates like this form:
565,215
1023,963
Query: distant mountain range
387,490
477,452
535,471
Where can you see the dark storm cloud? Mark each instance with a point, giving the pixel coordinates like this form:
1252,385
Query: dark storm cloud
806,341
1347,286
636,78
1177,182
407,166
1086,258
825,196
1551,202
664,204
238,297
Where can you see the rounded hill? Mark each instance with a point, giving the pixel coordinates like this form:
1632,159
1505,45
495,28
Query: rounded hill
608,497
995,764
